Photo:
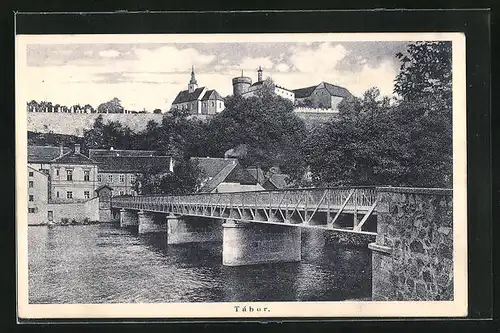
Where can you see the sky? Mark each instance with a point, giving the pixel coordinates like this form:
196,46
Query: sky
149,75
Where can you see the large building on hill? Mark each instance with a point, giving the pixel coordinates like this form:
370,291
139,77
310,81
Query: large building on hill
118,169
243,86
322,96
224,175
198,100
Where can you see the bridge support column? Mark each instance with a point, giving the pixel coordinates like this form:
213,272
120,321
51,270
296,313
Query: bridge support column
192,230
128,218
412,257
258,243
151,222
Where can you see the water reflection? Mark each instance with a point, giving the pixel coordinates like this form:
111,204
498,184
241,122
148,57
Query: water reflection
106,264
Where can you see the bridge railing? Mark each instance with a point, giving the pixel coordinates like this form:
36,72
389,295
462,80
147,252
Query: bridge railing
308,198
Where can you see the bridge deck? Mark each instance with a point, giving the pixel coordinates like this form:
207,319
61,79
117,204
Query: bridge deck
304,207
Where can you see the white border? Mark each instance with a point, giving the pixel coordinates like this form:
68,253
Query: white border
455,308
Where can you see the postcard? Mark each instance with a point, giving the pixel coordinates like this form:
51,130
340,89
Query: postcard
241,176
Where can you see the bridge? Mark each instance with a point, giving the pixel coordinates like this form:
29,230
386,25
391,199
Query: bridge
403,227
311,207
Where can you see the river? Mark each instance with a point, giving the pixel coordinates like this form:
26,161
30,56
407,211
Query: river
105,264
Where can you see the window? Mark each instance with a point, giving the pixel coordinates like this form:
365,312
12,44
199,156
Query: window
99,178
132,178
121,192
69,174
31,210
86,194
86,175
31,198
57,194
69,195
57,172
30,173
110,178
30,184
122,178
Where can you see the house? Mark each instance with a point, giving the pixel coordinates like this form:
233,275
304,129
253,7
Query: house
198,100
323,96
224,175
242,86
119,168
40,156
62,188
72,177
38,196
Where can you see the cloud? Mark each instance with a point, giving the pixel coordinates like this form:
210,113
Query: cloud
321,59
170,59
282,67
109,53
252,64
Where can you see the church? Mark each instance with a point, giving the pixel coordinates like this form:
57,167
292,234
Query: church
198,100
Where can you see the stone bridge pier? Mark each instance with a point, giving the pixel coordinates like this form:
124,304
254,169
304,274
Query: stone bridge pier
128,218
187,229
257,243
151,222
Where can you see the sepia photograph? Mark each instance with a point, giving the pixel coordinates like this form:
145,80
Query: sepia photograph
241,175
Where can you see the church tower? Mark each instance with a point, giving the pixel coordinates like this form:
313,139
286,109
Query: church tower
192,83
259,74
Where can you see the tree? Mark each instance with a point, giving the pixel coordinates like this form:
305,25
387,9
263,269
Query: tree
157,111
185,179
112,106
405,144
266,124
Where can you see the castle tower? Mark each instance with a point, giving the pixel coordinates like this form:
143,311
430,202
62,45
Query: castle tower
192,83
259,74
241,84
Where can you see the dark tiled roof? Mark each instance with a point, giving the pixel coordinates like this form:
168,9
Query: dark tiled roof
304,92
219,170
212,94
258,174
331,88
133,164
44,154
96,153
258,83
73,158
186,96
211,166
337,90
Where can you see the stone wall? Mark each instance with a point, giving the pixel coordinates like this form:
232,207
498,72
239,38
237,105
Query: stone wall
413,253
349,238
79,212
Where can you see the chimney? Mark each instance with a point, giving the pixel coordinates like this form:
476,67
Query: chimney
171,165
61,150
77,148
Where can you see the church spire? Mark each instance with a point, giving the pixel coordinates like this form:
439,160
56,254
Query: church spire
192,83
193,78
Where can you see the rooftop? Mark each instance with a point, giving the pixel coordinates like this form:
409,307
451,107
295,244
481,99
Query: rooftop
219,170
132,164
44,154
331,88
185,96
95,153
